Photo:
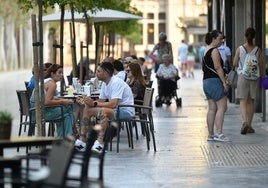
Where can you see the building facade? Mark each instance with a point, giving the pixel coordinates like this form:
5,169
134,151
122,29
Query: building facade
179,19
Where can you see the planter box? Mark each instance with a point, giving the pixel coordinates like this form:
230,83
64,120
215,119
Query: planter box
5,131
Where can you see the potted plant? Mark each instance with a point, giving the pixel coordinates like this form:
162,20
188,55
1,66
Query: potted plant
5,124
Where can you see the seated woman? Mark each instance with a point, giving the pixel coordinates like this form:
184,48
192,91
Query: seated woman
55,74
86,71
31,82
167,75
135,80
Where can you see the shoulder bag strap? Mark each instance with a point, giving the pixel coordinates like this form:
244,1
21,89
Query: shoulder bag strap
208,66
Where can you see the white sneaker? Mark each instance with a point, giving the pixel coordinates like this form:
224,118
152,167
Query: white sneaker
80,145
97,147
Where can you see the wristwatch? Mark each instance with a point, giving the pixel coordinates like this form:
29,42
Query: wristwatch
95,103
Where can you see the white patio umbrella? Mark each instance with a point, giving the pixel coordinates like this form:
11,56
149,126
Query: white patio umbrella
104,15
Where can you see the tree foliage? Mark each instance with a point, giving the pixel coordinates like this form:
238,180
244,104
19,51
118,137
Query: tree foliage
129,29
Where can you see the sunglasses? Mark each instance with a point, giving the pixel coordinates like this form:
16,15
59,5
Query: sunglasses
127,71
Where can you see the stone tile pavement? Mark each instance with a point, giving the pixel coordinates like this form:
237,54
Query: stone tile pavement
184,158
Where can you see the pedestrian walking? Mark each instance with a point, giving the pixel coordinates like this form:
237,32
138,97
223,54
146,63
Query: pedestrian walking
247,87
161,48
182,55
190,61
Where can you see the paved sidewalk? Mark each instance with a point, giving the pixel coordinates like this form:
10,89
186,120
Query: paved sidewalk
184,158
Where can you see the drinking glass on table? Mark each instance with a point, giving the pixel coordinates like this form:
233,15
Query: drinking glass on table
78,87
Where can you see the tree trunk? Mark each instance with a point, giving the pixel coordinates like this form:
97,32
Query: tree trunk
36,76
3,61
11,46
41,68
61,42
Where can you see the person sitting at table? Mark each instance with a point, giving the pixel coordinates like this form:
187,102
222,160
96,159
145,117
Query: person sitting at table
31,82
86,71
54,75
135,80
119,70
114,92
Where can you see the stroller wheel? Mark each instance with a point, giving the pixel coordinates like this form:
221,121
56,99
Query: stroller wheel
178,102
168,103
158,103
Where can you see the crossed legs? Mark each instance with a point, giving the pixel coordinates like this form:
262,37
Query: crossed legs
104,114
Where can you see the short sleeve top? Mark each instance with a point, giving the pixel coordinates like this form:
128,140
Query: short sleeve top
137,89
118,89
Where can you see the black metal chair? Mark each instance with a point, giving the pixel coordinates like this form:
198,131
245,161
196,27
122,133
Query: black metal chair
83,158
24,105
143,116
27,115
59,160
29,90
53,174
51,122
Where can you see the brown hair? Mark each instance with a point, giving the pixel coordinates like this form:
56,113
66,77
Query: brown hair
250,35
136,72
211,35
52,69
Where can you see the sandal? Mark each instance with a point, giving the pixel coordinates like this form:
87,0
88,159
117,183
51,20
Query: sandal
244,128
210,138
221,138
250,130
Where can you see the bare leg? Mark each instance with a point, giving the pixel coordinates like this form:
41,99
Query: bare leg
250,111
219,118
85,123
105,114
212,108
183,69
243,109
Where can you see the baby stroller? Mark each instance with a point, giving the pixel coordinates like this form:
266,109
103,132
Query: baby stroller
167,89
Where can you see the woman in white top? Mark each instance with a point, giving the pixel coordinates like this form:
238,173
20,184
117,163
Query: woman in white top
55,74
247,89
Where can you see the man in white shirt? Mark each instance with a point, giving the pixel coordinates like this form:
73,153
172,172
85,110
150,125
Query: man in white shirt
226,56
119,70
114,91
182,54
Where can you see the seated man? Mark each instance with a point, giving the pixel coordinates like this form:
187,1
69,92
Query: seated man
119,70
114,91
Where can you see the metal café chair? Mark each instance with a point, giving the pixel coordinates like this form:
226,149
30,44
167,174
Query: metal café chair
143,116
27,115
24,106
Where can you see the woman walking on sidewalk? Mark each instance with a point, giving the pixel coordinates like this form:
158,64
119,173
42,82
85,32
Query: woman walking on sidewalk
214,86
247,88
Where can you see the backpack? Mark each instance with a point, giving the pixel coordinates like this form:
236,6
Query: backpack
250,69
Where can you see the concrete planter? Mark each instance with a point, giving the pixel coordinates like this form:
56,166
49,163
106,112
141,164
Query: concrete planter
5,131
